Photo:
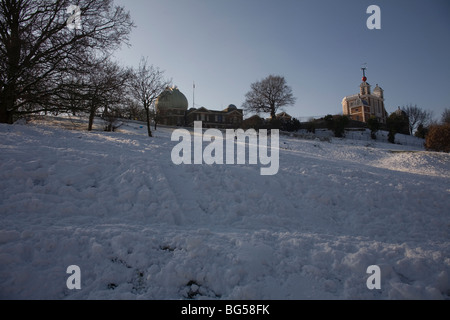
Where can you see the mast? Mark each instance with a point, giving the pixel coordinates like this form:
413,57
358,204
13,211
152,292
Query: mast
364,79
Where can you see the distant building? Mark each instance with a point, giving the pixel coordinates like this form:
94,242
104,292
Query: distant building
171,107
254,122
365,104
283,116
172,110
231,117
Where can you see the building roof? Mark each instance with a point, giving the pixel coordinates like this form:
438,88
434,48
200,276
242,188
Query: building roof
172,98
284,115
401,112
377,88
231,108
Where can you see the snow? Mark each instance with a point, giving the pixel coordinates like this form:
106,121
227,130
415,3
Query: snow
140,227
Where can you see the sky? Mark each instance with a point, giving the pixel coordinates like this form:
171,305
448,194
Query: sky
319,46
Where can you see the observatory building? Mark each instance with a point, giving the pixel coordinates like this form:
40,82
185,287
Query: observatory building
171,107
365,104
172,110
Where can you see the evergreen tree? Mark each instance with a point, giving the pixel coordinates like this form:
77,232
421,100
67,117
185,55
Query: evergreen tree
374,125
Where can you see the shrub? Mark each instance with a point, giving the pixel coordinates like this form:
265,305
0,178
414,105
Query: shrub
421,132
329,121
397,123
374,125
438,138
311,126
391,136
339,125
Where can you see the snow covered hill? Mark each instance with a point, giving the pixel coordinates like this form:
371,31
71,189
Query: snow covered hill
140,227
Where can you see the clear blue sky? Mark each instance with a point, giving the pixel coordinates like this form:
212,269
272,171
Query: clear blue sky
319,46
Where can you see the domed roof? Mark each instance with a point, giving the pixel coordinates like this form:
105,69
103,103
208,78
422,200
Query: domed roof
401,112
172,98
230,108
377,88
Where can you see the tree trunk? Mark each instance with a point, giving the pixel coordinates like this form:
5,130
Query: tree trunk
5,115
272,112
91,117
8,97
147,111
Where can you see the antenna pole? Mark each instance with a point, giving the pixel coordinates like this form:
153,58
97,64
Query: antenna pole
364,79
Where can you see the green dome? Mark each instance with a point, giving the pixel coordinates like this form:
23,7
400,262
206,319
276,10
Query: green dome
172,98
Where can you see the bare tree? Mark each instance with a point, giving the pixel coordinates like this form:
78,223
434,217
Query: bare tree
99,88
156,115
147,84
106,88
133,111
446,116
416,117
268,95
37,48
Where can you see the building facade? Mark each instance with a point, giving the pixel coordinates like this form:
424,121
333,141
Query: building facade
230,118
366,104
172,110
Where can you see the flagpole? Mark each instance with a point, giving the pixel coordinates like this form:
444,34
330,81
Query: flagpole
193,95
